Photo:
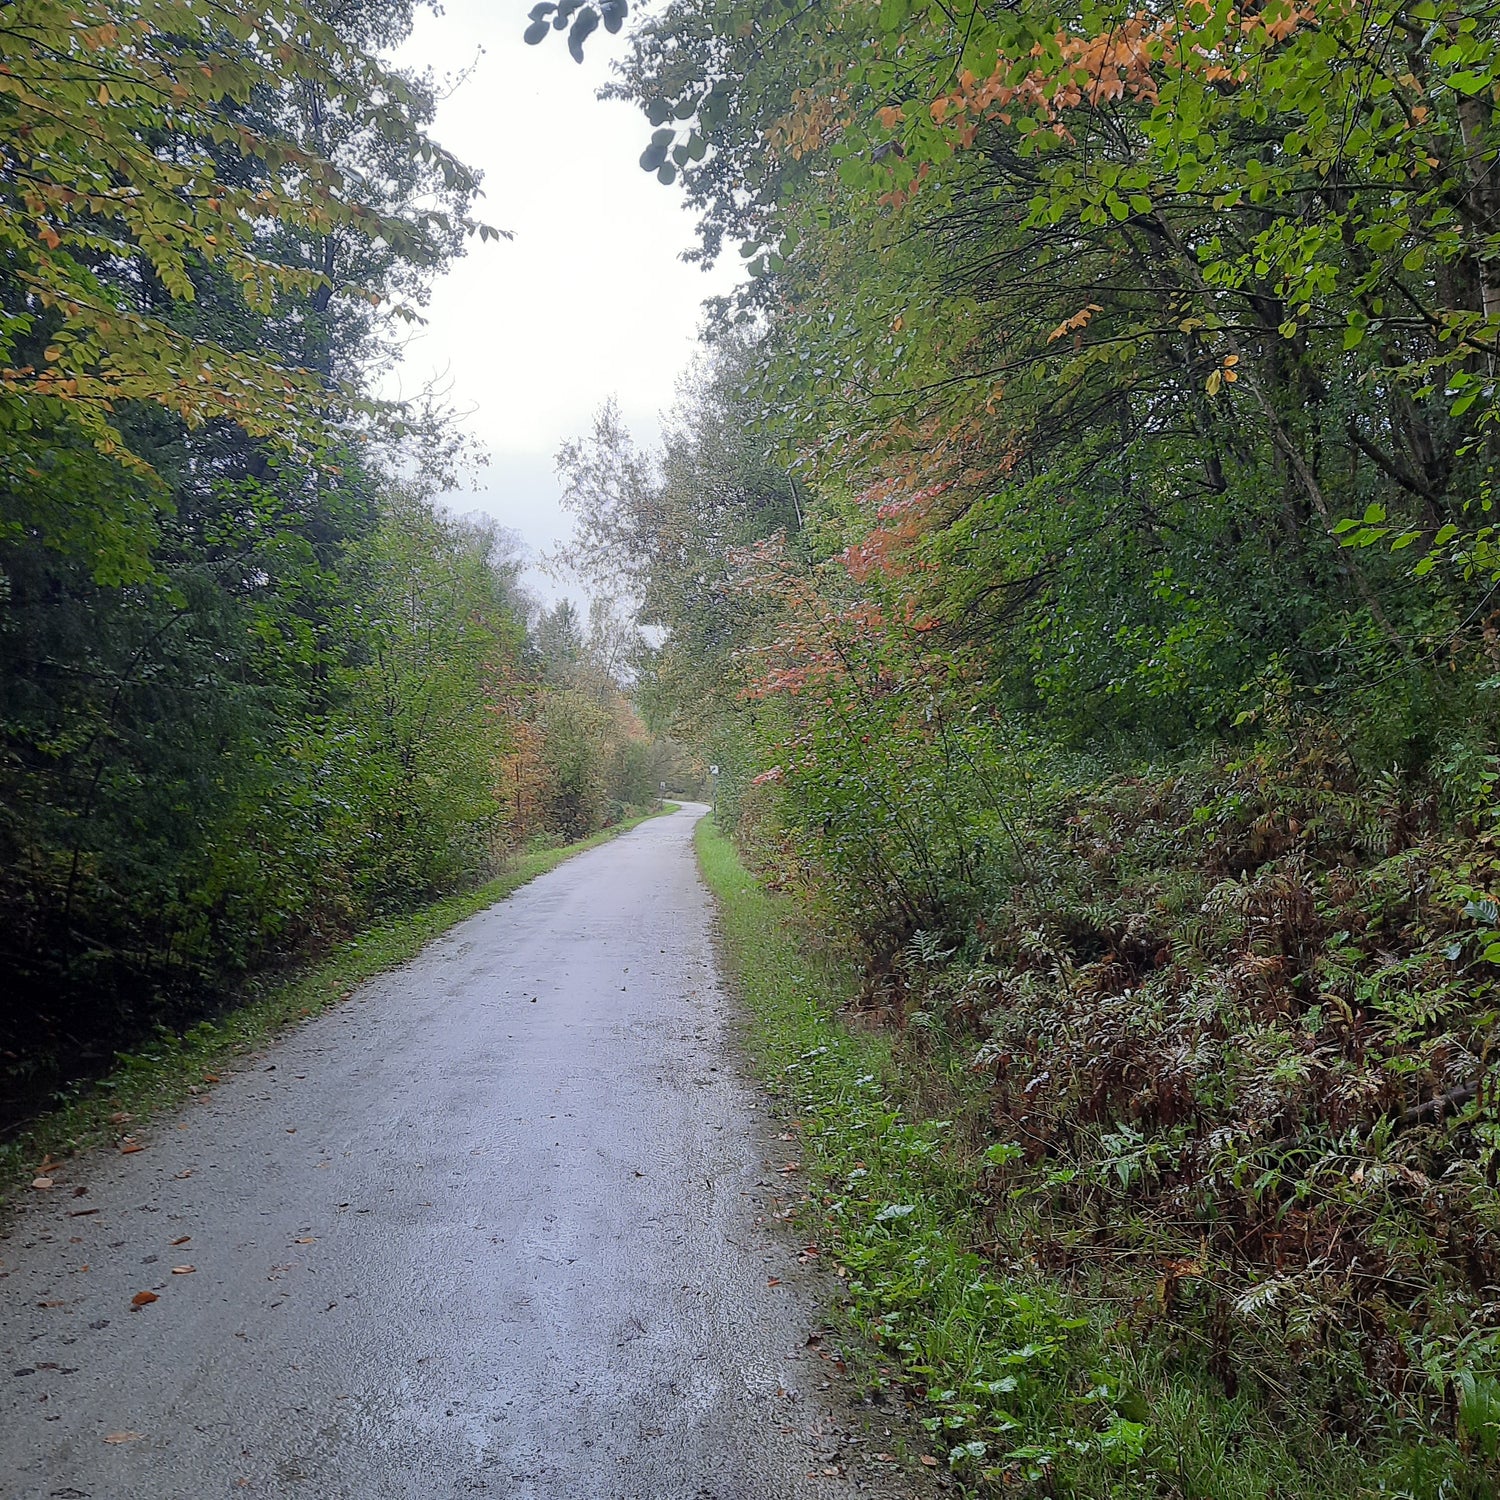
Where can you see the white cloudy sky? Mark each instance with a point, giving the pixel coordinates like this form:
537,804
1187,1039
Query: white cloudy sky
590,299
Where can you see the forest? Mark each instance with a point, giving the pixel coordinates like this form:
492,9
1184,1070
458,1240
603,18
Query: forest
1077,548
1075,545
257,686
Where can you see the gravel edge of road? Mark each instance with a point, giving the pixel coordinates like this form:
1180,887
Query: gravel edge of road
848,1364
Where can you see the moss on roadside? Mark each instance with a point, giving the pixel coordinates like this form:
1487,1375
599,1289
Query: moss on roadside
1031,1385
171,1067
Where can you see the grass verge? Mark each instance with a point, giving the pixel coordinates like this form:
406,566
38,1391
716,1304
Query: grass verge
1031,1385
173,1066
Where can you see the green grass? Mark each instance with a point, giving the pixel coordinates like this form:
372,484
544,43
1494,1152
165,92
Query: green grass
1029,1385
172,1067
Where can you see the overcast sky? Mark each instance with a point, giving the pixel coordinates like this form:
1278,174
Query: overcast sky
590,299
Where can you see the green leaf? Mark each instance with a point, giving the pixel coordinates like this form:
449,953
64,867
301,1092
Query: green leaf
1471,82
656,153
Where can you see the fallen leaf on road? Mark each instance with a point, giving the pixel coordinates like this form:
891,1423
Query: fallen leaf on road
308,1239
141,1299
183,1270
929,1460
41,1184
182,1239
180,1175
773,1281
122,1437
129,1148
210,1078
81,1213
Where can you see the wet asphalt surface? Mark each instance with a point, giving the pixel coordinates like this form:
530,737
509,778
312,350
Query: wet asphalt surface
498,1225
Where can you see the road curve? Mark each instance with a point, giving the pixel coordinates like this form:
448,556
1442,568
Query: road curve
487,1228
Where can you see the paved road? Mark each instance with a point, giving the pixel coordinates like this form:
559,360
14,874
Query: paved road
488,1228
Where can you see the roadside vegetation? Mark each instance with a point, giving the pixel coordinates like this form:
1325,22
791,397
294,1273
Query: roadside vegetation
1024,1374
1076,551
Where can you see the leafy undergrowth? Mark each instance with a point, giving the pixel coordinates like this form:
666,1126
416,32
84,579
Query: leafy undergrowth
1236,1038
174,1066
1036,1379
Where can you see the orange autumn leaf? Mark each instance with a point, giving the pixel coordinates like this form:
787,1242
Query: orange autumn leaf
1079,320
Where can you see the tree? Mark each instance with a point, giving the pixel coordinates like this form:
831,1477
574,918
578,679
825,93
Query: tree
200,213
146,152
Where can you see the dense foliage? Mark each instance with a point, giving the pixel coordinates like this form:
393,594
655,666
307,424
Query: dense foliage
1078,556
256,687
